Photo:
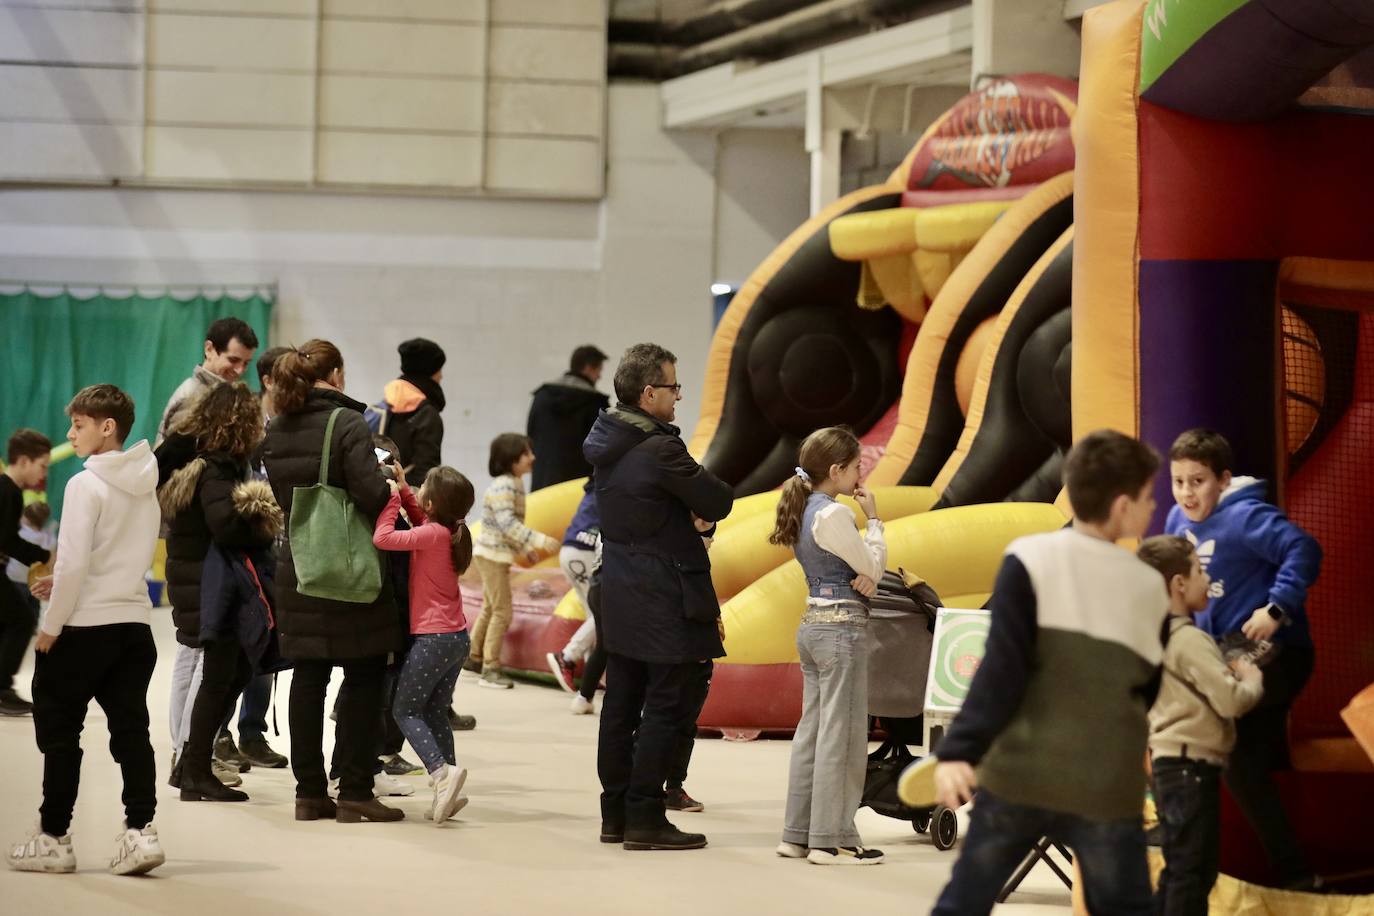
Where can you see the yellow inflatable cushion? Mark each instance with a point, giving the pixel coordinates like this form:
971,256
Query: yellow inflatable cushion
862,236
957,550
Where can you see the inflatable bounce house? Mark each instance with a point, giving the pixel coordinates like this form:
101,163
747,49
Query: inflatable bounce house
1225,278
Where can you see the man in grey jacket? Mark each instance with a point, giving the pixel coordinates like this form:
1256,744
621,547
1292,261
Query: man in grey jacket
229,347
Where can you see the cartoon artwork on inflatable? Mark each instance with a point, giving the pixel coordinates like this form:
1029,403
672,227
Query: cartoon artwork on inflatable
1225,278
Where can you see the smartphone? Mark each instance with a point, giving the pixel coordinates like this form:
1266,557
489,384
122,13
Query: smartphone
383,456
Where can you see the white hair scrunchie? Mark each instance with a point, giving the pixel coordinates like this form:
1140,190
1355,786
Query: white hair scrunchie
803,475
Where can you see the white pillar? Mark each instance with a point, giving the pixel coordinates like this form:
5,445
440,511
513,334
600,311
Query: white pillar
822,144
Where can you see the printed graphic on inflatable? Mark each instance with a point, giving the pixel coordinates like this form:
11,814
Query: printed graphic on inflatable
960,637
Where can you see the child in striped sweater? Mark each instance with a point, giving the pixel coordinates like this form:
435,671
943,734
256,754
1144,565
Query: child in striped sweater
504,538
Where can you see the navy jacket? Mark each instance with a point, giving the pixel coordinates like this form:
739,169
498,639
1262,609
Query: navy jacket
236,599
657,600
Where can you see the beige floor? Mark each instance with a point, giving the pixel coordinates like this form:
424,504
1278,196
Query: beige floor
526,844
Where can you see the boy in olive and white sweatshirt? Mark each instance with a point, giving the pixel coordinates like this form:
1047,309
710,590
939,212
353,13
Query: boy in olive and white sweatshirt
1192,730
94,641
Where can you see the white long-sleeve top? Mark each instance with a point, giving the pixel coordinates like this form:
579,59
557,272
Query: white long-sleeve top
835,530
105,544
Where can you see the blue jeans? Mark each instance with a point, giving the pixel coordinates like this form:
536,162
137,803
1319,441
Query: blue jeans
1188,797
253,708
825,780
1110,856
424,691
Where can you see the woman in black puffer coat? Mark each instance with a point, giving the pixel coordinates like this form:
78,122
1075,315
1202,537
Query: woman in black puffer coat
207,500
320,634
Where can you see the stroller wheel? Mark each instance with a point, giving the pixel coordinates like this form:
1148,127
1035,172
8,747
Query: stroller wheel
921,822
944,828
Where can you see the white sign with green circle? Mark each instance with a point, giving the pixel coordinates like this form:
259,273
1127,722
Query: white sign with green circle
957,650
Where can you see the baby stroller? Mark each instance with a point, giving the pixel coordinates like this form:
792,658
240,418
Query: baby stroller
901,622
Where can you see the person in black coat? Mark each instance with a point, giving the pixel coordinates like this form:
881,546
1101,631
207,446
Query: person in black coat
319,634
658,608
209,500
414,402
561,415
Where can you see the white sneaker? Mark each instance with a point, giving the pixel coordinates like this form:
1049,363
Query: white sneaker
791,850
458,806
845,855
137,852
447,797
41,852
385,785
581,706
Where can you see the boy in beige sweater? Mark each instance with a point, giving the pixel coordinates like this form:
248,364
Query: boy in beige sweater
1192,730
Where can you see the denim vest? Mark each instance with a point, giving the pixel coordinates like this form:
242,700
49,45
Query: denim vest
827,576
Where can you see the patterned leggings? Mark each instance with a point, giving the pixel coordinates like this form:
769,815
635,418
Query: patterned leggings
424,691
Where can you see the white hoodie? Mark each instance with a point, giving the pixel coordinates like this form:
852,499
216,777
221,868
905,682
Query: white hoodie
105,545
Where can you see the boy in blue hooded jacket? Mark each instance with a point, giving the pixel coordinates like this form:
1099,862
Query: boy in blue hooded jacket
1261,566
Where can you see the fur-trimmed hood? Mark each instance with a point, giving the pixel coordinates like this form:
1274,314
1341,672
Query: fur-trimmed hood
253,500
176,494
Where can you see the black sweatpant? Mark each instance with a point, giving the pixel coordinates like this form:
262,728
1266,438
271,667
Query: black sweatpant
18,620
1262,747
641,721
112,665
698,686
225,671
1188,798
596,662
357,733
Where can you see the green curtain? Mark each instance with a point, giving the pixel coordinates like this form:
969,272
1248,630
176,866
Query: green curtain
54,345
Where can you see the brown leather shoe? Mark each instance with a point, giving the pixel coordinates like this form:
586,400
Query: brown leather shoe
353,812
315,809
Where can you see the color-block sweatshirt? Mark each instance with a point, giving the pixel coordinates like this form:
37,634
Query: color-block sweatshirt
504,534
1056,715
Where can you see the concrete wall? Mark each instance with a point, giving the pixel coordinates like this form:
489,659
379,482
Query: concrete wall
508,287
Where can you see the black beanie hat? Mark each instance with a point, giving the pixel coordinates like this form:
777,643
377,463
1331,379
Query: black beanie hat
421,357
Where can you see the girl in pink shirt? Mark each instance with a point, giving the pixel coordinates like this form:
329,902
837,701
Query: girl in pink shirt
440,548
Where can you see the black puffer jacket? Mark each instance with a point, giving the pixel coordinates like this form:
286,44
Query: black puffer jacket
657,600
198,505
561,415
321,628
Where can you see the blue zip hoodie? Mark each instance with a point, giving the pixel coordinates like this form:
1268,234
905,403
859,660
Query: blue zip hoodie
1255,556
585,528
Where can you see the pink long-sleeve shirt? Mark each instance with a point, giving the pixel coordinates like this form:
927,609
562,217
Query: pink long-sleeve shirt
436,604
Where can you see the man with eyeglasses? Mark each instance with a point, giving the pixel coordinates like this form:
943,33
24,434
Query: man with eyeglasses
659,614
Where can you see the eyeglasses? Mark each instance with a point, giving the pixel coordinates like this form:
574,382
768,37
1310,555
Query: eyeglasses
676,387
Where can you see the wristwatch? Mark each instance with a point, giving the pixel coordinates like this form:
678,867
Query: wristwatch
1278,614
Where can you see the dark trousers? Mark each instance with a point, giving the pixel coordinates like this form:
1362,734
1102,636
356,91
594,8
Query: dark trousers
699,685
1110,854
1188,798
225,671
18,620
641,721
112,665
356,736
389,734
596,662
257,697
1262,747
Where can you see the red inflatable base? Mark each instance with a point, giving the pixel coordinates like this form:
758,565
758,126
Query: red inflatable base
749,700
1331,814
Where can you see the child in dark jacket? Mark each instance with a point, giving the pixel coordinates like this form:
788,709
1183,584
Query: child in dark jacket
1262,566
440,548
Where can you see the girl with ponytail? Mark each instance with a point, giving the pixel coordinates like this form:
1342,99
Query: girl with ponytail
440,547
830,748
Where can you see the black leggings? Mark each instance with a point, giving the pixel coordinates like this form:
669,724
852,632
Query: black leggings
225,671
596,662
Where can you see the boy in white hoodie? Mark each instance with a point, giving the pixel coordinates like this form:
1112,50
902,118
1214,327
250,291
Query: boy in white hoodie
94,641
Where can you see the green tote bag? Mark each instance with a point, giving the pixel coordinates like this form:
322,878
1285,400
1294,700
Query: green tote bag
331,541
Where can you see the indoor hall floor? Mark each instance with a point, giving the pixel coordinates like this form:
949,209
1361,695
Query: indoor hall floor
526,844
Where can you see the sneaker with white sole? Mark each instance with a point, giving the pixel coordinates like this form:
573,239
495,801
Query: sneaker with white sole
496,679
447,789
457,806
137,852
225,773
385,784
791,850
563,670
581,706
845,855
43,852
